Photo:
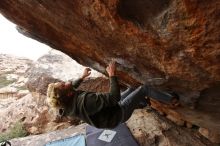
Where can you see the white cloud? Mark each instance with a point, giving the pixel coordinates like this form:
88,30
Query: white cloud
12,42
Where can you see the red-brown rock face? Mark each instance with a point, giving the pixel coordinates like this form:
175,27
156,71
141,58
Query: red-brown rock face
172,44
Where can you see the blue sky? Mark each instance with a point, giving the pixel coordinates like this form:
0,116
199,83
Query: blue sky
12,42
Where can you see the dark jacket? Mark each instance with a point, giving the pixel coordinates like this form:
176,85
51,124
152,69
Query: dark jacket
97,109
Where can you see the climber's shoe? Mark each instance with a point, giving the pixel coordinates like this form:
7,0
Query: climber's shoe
148,101
145,102
175,100
5,143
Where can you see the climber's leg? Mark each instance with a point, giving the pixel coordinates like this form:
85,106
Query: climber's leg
171,98
132,102
126,92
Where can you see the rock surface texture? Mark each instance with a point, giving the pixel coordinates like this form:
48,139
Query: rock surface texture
169,44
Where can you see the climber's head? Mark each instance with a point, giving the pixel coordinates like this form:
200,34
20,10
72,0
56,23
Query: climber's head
58,96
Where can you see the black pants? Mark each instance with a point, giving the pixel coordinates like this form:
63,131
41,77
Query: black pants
131,99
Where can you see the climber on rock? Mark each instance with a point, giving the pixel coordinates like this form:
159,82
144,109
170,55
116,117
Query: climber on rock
101,110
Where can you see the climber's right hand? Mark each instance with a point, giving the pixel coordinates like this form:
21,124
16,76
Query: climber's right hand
111,68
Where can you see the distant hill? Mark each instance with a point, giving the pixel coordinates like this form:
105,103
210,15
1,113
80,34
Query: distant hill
13,70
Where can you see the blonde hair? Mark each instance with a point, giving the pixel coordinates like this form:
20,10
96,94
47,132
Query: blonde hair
54,95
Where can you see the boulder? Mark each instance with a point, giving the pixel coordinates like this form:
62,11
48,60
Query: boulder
149,129
212,136
38,83
173,44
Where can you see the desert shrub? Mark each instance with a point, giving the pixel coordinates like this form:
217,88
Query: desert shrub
4,82
22,88
16,131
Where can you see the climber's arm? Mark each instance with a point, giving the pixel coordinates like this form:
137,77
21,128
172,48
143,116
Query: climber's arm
86,73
